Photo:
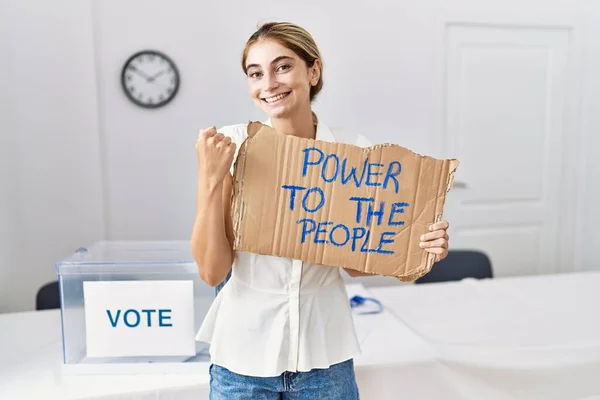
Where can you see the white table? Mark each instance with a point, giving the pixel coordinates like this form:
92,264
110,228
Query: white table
517,338
512,338
31,357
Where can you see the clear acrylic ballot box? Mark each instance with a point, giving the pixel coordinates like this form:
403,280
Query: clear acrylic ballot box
133,306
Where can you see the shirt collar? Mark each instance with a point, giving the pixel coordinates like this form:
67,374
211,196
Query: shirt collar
323,132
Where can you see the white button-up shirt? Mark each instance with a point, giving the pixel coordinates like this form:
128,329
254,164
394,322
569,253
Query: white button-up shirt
277,314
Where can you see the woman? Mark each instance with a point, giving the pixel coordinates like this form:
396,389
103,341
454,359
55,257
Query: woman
279,328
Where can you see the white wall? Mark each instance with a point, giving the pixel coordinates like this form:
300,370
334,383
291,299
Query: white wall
213,91
88,164
54,135
8,175
590,128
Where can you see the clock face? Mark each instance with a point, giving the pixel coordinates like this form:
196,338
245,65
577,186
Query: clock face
150,79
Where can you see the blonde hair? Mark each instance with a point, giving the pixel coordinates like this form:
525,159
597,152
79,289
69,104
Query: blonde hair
294,38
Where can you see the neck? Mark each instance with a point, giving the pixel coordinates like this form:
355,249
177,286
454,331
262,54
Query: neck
300,125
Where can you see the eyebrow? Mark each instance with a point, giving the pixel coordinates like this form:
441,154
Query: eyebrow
277,59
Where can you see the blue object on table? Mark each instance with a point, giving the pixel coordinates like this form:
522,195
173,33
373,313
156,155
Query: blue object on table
357,301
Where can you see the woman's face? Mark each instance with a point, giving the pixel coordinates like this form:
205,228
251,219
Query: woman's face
278,80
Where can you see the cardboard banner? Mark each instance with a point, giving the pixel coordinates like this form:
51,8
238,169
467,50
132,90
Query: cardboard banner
337,204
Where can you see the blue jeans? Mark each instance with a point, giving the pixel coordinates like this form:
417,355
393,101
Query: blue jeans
337,382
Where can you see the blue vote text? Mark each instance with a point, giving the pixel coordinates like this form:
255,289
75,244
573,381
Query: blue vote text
132,318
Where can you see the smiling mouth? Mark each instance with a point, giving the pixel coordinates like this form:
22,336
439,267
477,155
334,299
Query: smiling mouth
275,99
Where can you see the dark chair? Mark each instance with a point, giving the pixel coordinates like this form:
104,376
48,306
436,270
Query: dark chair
459,264
48,297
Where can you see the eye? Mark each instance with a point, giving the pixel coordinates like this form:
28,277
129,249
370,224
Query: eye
284,67
255,74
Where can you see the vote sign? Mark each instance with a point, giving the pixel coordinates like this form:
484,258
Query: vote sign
139,318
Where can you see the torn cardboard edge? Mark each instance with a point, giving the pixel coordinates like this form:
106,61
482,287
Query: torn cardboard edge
240,205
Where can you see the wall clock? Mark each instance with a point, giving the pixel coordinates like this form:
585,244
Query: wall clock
150,79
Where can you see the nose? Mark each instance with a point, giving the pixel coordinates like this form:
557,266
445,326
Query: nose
270,82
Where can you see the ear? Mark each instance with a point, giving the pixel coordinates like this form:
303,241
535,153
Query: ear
315,72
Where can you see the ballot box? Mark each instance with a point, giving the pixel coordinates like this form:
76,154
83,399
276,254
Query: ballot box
132,306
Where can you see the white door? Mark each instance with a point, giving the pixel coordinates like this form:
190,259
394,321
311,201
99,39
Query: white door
505,115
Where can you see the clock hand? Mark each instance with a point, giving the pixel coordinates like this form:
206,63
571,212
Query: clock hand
153,77
141,73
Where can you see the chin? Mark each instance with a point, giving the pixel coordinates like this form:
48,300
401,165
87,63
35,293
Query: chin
276,112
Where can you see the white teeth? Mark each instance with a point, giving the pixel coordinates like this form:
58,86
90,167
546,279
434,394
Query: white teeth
275,98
